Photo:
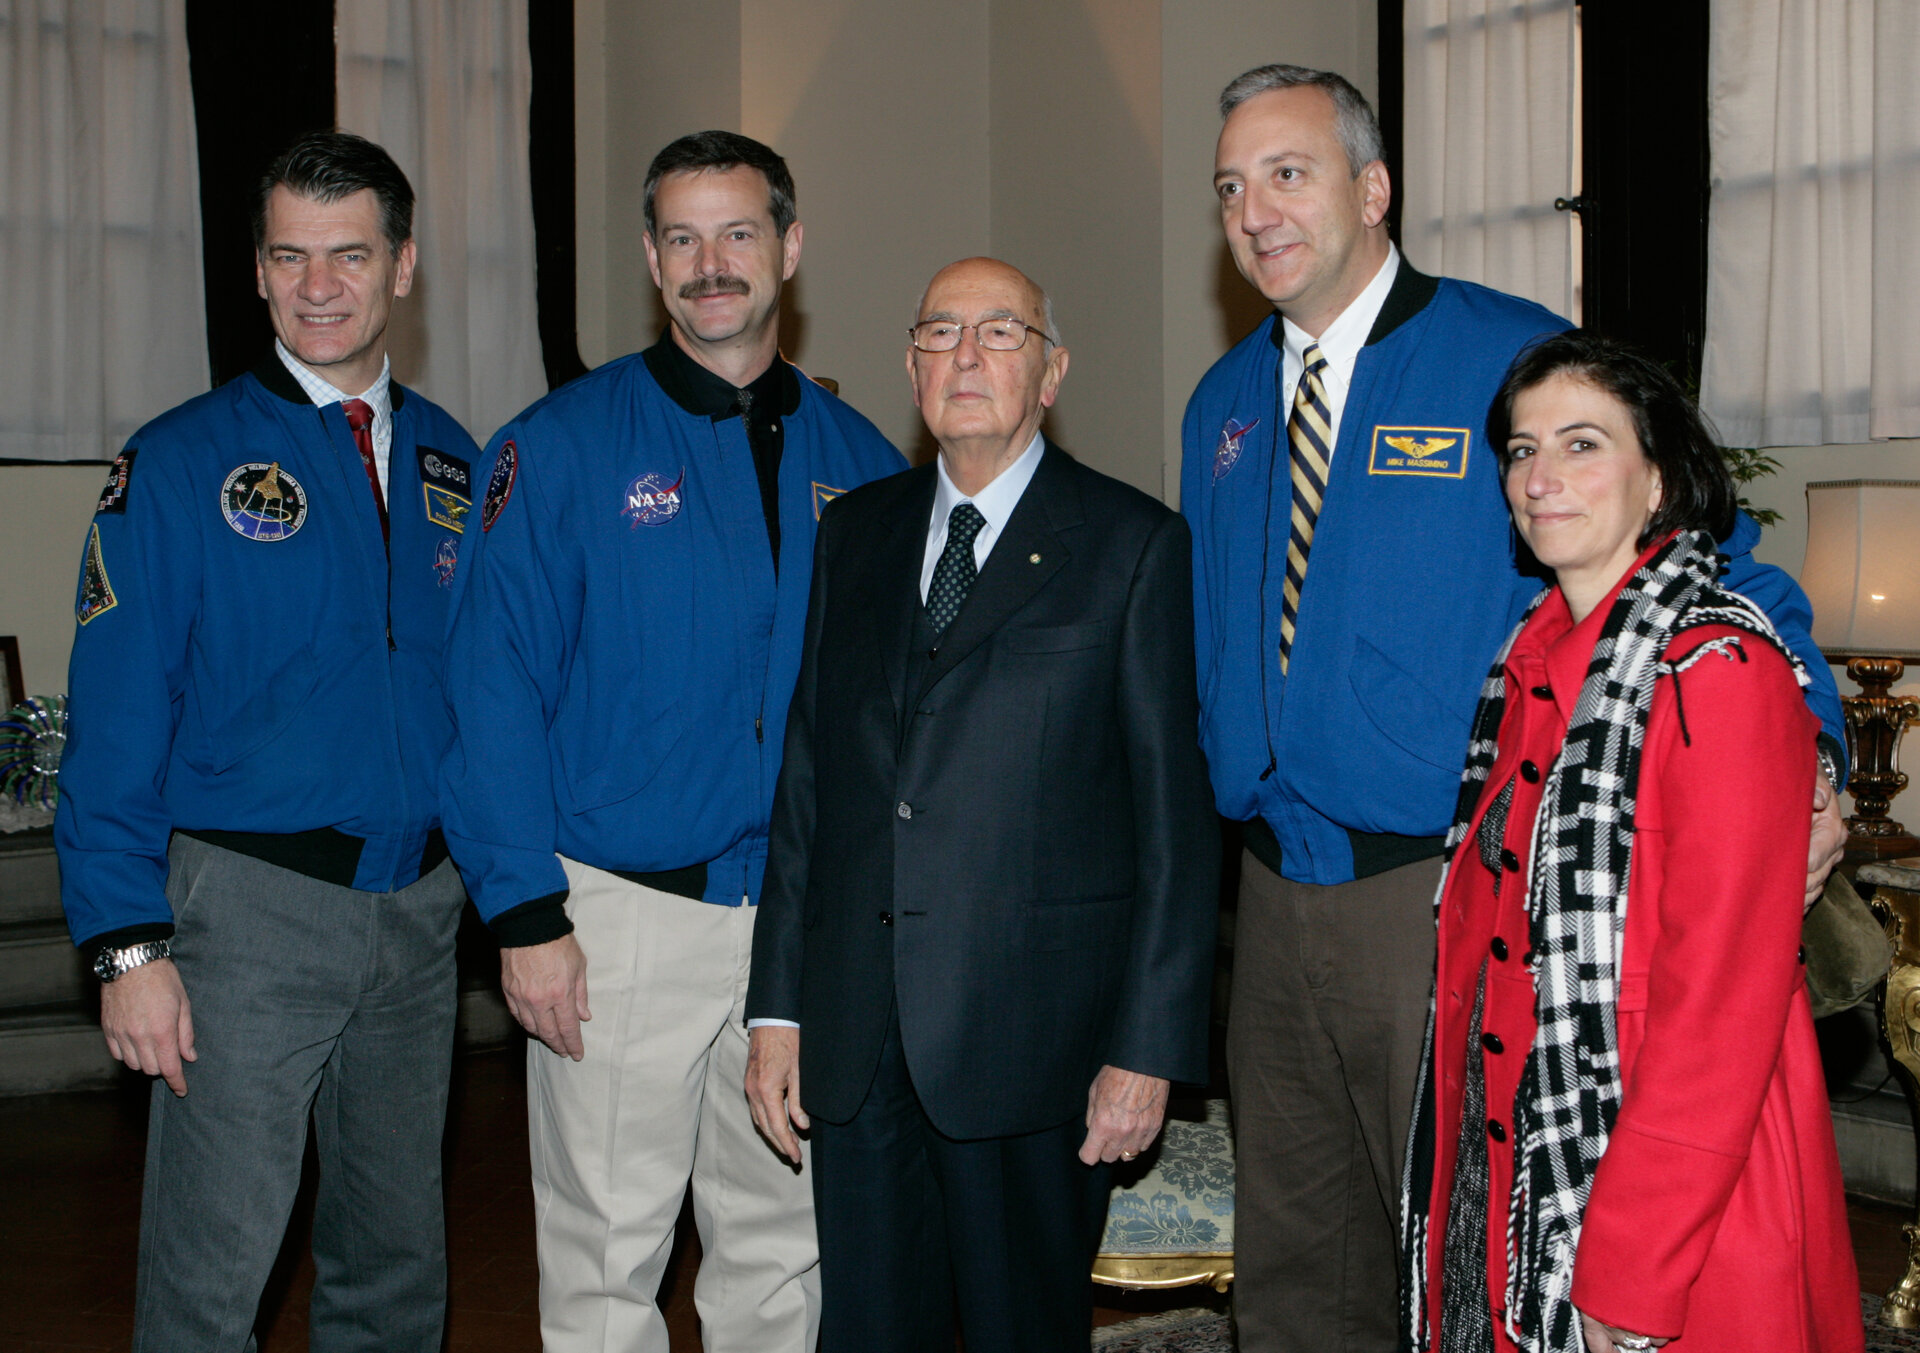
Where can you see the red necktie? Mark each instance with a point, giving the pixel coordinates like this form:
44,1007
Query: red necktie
360,419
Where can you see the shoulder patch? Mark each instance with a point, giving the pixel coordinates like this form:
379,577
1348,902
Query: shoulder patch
263,502
96,589
113,498
500,485
822,495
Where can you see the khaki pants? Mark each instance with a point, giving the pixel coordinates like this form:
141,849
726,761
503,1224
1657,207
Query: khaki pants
1330,988
658,1100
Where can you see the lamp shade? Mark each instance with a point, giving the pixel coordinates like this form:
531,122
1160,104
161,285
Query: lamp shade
1862,571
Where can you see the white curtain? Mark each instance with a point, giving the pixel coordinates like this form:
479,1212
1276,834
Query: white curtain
1813,284
445,86
1491,113
102,314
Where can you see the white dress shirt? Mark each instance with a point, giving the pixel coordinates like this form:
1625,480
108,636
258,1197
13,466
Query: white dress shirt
995,502
379,397
1340,344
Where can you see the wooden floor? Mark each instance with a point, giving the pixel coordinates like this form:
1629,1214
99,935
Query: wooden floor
69,1212
69,1218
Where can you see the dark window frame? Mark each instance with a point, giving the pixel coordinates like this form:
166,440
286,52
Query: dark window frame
247,108
1645,169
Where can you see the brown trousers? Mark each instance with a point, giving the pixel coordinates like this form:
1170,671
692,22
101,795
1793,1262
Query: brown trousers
1330,987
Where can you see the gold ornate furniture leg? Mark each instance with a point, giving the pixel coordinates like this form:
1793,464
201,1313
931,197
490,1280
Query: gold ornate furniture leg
1897,897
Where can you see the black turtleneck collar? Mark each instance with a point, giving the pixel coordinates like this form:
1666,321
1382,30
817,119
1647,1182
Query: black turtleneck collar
705,395
766,402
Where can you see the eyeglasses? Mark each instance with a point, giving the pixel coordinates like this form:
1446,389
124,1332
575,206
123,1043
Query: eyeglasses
995,335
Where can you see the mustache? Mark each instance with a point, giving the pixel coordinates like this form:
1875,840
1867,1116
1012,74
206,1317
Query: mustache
722,285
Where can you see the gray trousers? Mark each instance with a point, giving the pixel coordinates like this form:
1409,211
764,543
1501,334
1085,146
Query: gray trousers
307,998
1330,987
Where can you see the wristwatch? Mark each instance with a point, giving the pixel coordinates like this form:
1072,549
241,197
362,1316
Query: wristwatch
112,963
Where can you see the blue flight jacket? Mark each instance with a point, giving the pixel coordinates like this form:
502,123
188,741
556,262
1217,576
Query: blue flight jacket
1412,582
622,656
247,660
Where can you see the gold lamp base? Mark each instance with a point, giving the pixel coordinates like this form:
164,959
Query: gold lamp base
1876,719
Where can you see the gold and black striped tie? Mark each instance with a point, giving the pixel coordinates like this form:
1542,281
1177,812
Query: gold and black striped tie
1310,451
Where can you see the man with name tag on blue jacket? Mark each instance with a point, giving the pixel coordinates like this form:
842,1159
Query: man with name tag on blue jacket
620,670
248,829
1354,574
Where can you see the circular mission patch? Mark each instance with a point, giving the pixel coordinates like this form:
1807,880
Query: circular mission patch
263,502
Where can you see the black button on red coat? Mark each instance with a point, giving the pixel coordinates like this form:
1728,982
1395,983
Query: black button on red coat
1530,772
1495,1130
1499,947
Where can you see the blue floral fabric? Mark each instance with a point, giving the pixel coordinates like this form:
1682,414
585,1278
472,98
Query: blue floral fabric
1178,1198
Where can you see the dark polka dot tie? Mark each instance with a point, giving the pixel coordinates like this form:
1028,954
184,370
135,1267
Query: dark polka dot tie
953,575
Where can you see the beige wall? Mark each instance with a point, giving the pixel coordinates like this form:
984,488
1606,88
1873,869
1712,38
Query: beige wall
1075,121
1073,138
1207,306
44,511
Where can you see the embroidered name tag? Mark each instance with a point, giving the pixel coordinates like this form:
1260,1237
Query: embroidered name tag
1440,453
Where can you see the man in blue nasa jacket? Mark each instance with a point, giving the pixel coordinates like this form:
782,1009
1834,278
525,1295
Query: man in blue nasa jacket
1352,584
248,826
620,670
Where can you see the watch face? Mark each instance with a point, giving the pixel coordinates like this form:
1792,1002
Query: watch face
103,966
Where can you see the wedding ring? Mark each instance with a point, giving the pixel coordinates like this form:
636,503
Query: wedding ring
1635,1343
1129,1155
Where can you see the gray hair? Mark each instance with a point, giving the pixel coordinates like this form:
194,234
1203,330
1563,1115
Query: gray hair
1353,120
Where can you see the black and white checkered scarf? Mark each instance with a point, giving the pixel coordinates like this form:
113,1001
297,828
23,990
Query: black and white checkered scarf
1580,859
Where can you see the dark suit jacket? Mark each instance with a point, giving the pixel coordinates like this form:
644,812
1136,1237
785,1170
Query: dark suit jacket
1021,848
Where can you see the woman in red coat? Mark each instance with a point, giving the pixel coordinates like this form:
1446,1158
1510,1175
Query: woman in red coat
1623,1138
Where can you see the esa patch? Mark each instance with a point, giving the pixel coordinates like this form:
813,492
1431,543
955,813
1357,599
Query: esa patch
263,502
1226,453
822,495
1439,453
96,589
113,498
447,482
652,501
446,557
499,485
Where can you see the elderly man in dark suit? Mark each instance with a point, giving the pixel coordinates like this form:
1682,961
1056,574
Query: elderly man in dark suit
987,931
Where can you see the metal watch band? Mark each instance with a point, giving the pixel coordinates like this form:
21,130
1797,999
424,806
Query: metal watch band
114,963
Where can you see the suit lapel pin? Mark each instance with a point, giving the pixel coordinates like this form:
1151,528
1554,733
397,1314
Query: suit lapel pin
1033,559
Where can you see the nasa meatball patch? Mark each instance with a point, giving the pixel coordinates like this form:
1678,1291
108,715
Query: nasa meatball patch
652,501
1226,453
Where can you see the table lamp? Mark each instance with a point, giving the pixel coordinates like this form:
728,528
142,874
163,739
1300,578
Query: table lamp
1862,574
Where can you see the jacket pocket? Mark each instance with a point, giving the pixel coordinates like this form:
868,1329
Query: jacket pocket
232,731
1402,707
1056,638
620,756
